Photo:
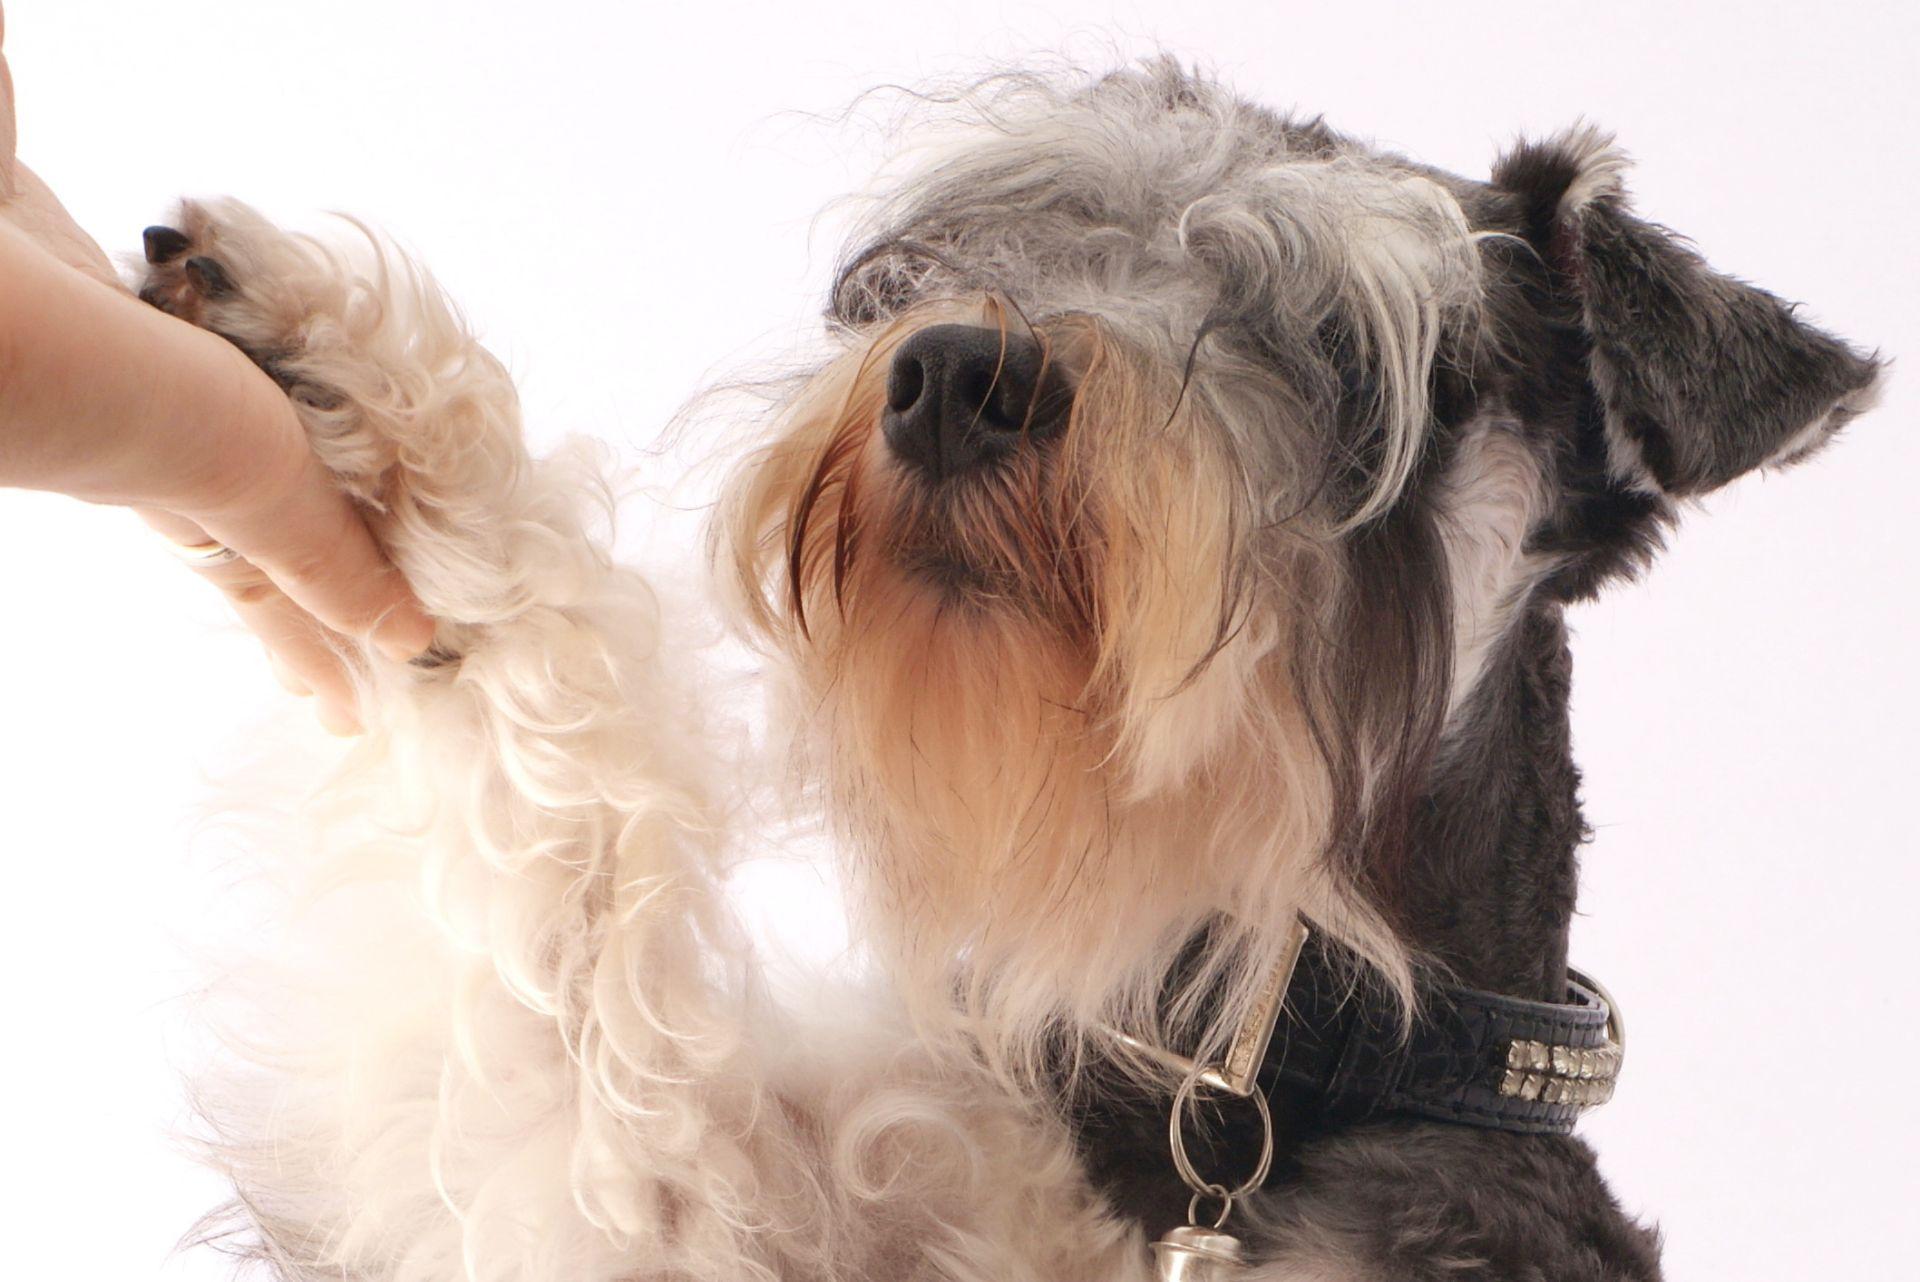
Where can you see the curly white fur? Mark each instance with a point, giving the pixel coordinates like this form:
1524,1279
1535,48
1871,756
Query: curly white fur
542,1059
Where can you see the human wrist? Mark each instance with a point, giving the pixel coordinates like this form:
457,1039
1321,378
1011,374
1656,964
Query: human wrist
111,401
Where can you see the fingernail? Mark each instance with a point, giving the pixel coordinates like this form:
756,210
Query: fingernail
404,635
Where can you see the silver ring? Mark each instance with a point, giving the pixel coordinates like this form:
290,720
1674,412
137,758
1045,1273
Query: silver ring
1226,1206
202,556
1177,1142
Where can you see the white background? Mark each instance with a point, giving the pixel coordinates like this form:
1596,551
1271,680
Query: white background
625,198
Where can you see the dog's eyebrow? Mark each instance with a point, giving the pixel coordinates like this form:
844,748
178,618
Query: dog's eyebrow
908,248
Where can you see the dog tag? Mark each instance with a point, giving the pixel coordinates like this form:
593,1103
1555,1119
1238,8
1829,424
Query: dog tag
1194,1253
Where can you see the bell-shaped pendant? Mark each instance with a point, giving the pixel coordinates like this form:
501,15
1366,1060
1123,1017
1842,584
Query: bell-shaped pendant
1194,1253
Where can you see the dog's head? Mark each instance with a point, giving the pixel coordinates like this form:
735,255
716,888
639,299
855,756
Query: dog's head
1183,467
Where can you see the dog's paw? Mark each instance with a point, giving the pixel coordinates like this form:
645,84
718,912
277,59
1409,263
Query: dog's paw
393,390
401,402
179,278
228,270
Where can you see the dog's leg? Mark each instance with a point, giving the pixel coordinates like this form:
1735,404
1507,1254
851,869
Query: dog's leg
520,1050
485,1074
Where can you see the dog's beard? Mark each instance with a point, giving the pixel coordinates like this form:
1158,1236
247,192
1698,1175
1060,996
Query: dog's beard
1057,728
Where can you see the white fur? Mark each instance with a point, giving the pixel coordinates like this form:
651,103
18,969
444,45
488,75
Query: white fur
1816,433
1601,162
1490,500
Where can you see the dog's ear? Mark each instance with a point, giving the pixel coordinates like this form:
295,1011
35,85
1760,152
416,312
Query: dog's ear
1700,377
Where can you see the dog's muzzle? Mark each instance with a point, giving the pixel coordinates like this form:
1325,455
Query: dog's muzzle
962,396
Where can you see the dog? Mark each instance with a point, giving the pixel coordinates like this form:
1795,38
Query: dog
1160,585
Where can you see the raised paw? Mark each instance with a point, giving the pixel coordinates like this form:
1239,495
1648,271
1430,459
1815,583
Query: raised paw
306,315
178,282
195,272
401,403
186,278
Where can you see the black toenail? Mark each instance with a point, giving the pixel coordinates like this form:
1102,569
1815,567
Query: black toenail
209,277
433,657
164,244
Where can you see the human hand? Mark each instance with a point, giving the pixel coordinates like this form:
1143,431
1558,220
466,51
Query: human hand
109,400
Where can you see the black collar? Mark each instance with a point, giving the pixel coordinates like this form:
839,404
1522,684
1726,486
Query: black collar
1469,1056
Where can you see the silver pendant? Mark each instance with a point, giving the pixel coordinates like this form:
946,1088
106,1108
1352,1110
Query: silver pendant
1198,1252
1195,1253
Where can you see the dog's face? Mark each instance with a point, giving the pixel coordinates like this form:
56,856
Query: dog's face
1179,476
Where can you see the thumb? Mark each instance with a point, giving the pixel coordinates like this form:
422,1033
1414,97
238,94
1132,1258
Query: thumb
8,135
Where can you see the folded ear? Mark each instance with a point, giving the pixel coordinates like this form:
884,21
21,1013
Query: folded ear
1701,377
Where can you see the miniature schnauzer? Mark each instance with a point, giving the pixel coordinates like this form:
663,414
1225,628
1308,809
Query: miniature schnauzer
1161,581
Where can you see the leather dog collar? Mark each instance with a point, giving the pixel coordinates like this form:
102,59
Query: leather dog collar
1471,1057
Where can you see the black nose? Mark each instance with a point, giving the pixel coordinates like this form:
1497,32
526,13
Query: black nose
962,395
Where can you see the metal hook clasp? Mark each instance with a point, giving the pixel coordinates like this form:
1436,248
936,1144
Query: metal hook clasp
1238,1073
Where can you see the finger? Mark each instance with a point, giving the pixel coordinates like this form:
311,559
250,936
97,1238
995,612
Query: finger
30,205
285,631
304,667
289,680
305,657
172,527
26,202
299,527
337,718
245,585
7,134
